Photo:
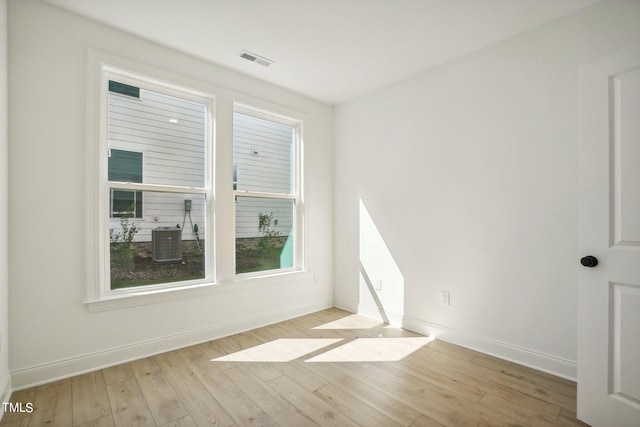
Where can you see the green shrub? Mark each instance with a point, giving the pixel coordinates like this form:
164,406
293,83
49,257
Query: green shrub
269,236
122,252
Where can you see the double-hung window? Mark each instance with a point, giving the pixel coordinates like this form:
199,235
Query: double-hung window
156,188
266,181
155,204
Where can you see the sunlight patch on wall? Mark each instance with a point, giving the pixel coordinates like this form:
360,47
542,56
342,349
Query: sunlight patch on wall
373,350
381,281
280,350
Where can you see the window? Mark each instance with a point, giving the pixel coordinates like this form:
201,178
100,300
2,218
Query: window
154,203
157,183
125,166
267,192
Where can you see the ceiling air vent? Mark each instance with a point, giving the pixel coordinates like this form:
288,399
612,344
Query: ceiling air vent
256,58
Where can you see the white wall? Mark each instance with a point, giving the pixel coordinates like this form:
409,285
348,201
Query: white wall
52,331
469,173
5,382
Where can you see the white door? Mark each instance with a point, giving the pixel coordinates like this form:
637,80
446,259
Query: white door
609,293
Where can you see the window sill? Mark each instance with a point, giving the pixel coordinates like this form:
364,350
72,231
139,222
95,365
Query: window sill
117,301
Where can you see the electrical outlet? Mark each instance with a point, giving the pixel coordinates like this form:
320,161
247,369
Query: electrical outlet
445,297
316,278
378,285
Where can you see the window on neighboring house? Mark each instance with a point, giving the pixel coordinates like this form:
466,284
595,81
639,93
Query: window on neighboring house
125,166
168,128
268,206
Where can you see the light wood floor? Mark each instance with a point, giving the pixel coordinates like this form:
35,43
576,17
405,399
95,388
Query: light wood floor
330,368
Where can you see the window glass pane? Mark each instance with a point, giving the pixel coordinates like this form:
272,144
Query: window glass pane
165,245
263,153
124,89
264,234
166,132
126,203
125,166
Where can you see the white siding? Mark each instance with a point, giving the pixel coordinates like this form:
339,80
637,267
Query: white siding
172,154
263,156
248,208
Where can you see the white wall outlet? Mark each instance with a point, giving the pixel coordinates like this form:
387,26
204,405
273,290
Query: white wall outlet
378,285
445,297
316,278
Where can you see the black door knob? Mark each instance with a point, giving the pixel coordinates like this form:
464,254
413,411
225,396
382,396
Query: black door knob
589,261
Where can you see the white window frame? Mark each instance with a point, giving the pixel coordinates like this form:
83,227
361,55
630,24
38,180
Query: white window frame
105,186
296,195
220,256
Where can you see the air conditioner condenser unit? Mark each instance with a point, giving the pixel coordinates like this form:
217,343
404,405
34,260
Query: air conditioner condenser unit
166,244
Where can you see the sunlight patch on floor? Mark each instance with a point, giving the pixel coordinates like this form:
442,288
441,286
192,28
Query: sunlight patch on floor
351,322
280,350
373,350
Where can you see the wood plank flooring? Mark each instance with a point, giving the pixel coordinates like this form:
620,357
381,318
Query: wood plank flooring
330,368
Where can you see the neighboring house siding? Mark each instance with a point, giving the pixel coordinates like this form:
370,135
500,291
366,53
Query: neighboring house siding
248,208
173,153
263,161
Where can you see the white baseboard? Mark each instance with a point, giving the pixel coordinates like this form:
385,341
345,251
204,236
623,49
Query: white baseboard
533,359
392,319
45,373
351,307
5,393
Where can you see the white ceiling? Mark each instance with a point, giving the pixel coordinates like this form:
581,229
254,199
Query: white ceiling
330,50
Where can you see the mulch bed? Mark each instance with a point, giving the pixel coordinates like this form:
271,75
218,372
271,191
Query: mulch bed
145,269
